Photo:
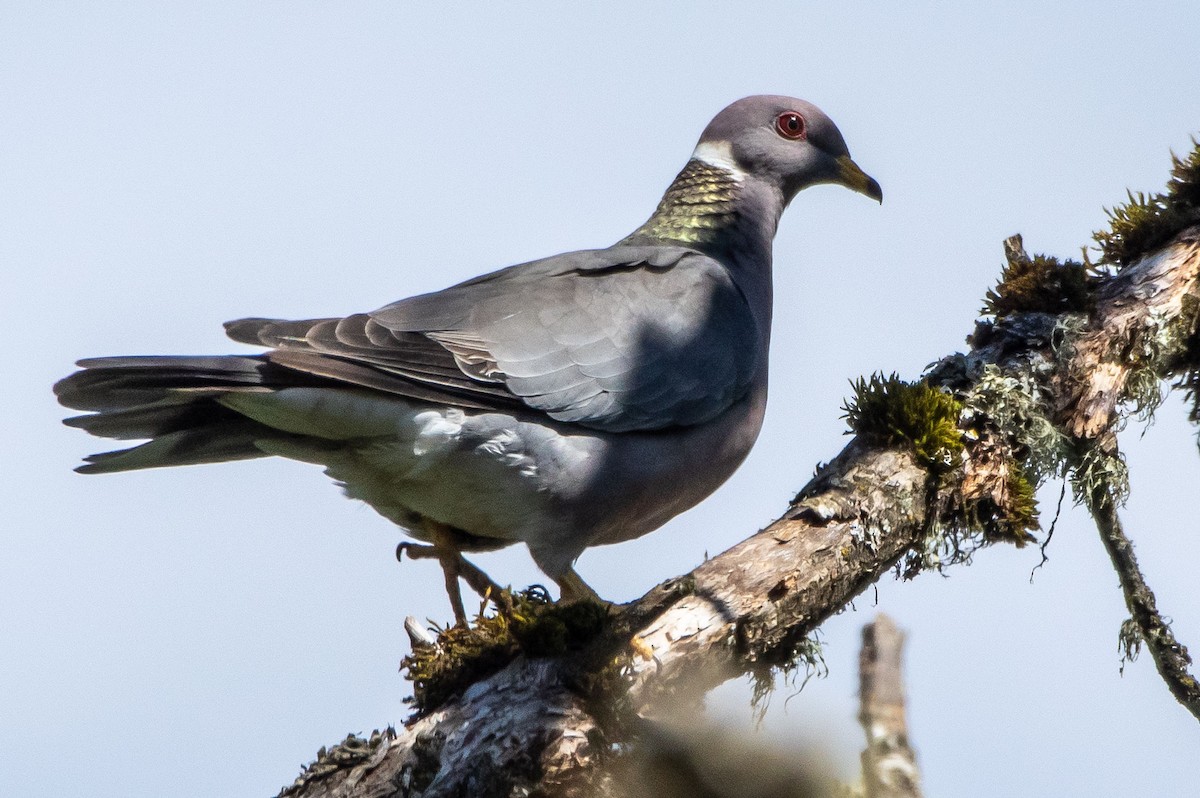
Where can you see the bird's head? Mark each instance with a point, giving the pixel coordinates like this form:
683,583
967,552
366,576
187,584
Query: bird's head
788,143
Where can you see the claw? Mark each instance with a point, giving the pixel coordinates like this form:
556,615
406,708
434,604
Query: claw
445,550
416,551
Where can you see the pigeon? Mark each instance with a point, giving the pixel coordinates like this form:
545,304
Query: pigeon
579,400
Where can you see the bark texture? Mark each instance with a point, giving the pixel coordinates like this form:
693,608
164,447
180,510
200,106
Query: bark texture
1130,333
548,726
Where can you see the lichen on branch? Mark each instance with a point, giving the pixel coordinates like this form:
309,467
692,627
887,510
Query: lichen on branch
952,458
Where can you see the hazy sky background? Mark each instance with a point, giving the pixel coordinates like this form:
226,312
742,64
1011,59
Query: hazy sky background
166,167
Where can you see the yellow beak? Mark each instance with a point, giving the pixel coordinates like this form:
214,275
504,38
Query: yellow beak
854,178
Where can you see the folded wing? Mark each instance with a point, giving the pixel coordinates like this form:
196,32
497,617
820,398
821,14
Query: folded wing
628,338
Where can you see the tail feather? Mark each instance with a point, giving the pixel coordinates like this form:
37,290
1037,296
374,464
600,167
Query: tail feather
120,383
209,444
172,402
153,420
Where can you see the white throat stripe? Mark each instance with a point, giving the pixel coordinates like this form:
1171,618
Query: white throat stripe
720,155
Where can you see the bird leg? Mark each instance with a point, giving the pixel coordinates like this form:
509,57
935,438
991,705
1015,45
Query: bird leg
454,567
482,584
468,571
572,588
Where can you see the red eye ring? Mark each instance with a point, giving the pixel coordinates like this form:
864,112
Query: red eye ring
791,125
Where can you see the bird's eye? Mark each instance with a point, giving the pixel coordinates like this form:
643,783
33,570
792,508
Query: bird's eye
791,125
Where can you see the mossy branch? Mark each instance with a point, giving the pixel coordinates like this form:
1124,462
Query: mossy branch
1148,626
1148,221
953,457
890,412
1041,284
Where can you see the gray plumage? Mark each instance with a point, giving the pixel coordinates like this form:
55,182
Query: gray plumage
577,400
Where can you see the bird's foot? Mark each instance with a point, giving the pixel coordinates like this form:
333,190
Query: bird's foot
454,567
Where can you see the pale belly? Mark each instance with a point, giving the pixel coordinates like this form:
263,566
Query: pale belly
558,489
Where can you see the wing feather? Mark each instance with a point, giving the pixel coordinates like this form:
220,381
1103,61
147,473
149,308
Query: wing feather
629,338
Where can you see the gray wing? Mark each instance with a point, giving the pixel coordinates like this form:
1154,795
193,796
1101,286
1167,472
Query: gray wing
628,338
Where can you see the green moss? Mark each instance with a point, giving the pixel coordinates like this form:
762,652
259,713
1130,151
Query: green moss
1015,519
535,627
890,411
1147,221
964,525
1041,284
1012,446
1009,516
1184,185
1021,514
554,629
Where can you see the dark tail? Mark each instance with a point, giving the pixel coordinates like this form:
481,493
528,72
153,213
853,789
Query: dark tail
172,401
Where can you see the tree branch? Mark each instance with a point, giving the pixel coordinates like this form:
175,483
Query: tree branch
889,763
548,725
1170,657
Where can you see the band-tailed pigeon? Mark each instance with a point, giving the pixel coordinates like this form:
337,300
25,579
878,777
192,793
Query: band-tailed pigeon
573,401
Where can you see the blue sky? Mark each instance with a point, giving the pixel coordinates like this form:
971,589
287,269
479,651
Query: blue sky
166,167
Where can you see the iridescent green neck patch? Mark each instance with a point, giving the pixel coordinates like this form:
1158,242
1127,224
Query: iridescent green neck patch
699,205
